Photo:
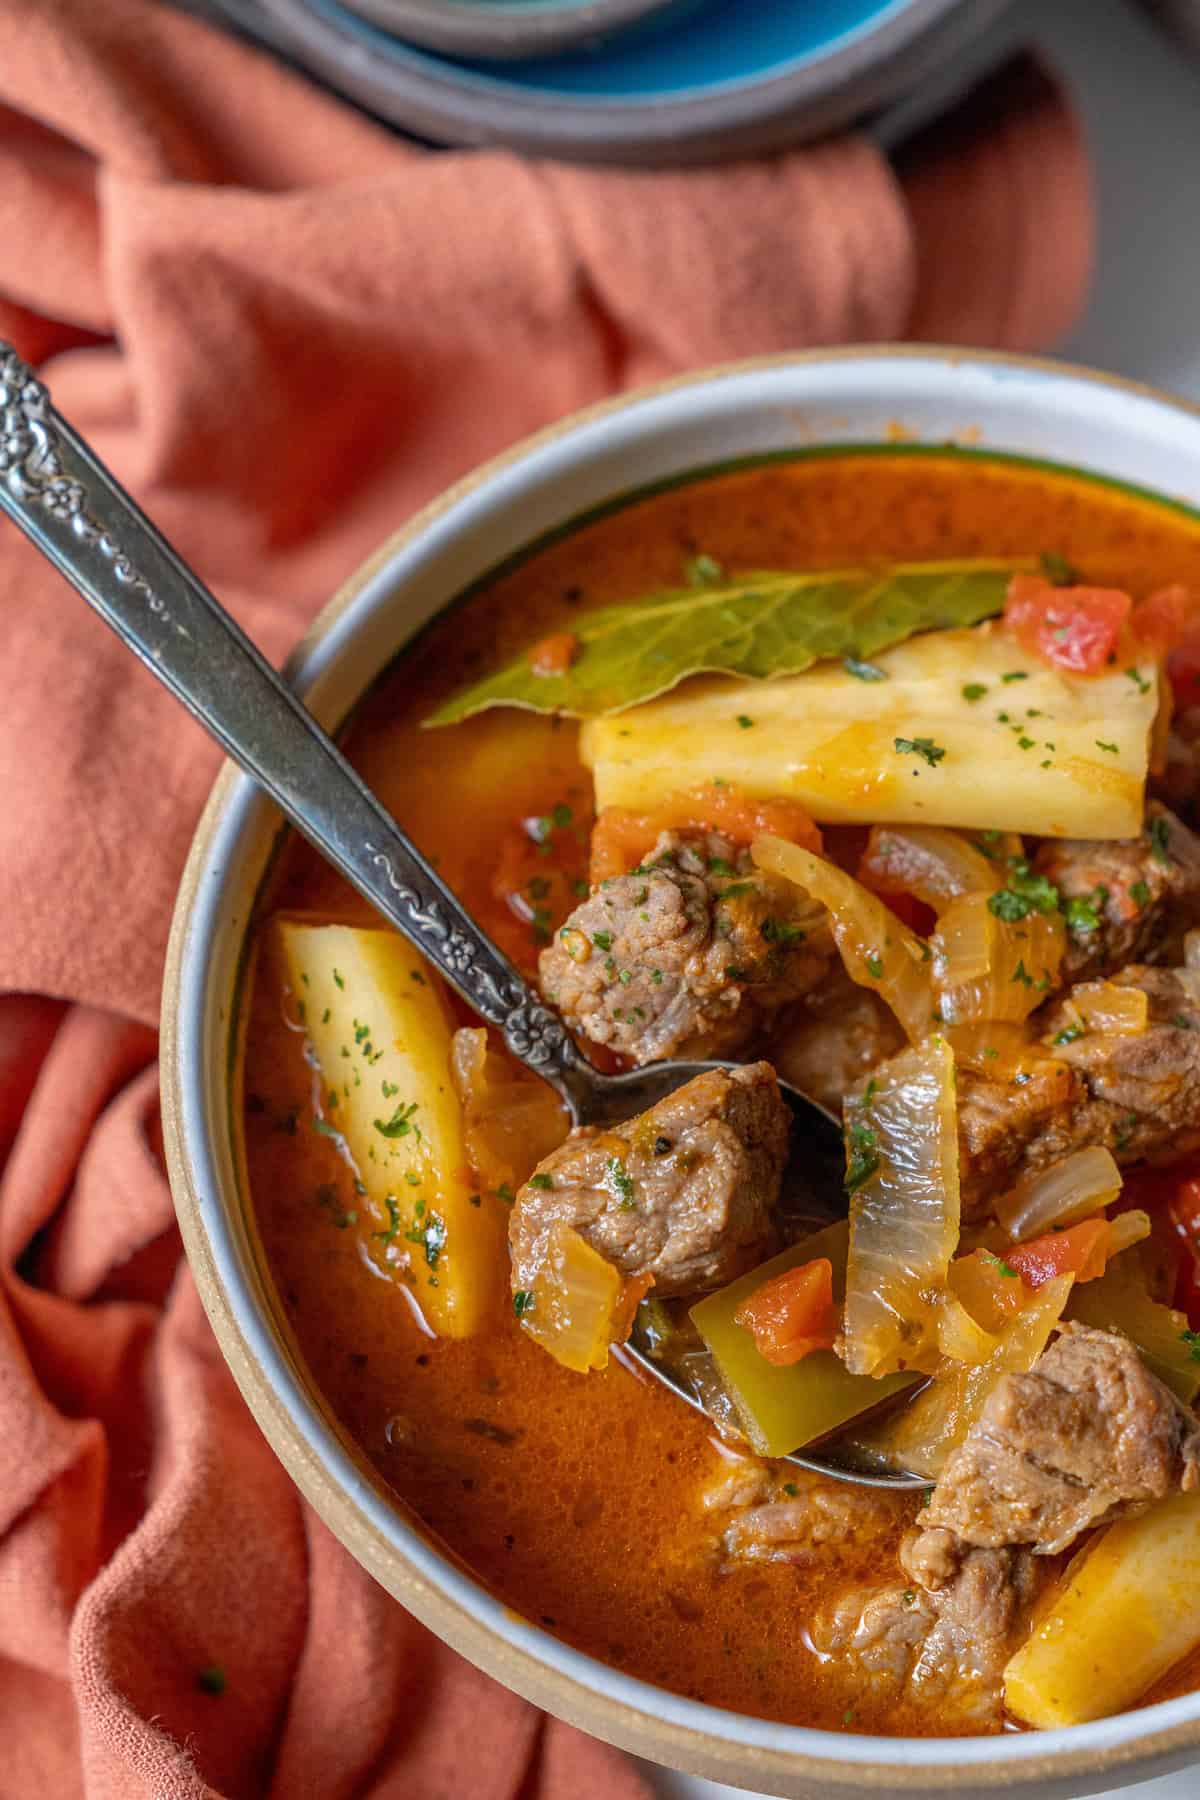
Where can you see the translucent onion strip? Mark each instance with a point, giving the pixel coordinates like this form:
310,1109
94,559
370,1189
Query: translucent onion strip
1103,1006
879,952
904,1210
931,863
990,968
1062,1195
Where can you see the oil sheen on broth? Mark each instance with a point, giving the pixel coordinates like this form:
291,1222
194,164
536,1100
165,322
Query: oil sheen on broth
577,1499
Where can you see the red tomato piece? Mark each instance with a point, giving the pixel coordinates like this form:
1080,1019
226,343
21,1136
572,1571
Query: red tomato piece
622,838
554,654
1082,1251
1073,628
792,1314
1160,621
1183,668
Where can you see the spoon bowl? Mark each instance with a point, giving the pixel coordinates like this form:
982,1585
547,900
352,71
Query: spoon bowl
74,510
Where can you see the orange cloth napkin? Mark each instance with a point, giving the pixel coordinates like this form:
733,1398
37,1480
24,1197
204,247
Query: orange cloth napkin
285,329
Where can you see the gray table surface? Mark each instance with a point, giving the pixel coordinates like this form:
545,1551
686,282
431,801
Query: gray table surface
1140,100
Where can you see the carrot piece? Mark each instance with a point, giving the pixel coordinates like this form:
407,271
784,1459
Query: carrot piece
1081,1250
1075,628
621,838
792,1314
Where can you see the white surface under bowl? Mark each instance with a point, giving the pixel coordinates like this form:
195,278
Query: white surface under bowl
1036,410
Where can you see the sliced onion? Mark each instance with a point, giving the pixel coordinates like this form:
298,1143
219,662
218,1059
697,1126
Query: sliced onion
990,968
573,1299
922,1435
512,1119
927,861
1103,1006
1126,1230
997,1050
879,952
904,1216
959,1335
1071,1190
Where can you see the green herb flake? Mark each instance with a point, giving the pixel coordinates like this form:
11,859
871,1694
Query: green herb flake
1016,675
1139,680
875,965
1021,974
1057,569
1139,893
790,1489
400,1124
862,1156
703,571
522,1303
923,747
974,690
540,1181
1192,1340
337,979
620,1183
393,1224
1160,839
1111,749
1000,1266
1025,743
1068,1034
778,931
745,721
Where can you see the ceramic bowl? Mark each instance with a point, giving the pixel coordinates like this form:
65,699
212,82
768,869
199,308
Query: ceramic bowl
506,28
709,79
1033,410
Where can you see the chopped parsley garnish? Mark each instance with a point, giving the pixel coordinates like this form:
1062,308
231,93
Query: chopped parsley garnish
1021,974
1057,569
429,1232
745,721
1139,893
602,940
717,865
875,964
1083,914
862,1157
1192,1340
923,747
393,1224
1026,743
1025,892
974,690
739,887
790,1489
863,671
1000,1266
1110,748
337,979
1181,1022
1160,838
1068,1034
505,1193
1139,680
620,1183
1016,675
400,1124
778,931
522,1303
562,815
540,1181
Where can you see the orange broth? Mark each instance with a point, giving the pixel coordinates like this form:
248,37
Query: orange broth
576,1499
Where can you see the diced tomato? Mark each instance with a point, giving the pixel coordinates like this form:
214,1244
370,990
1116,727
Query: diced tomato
1082,1251
554,655
792,1314
622,838
633,1291
1074,628
1160,621
540,876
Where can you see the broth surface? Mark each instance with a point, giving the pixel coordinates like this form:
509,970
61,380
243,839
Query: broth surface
577,1499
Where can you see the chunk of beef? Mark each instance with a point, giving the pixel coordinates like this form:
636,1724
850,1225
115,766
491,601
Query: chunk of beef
686,955
827,1044
685,1192
1137,1095
1086,1436
1143,892
947,1645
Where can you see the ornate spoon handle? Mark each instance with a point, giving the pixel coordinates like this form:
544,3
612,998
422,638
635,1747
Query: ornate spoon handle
61,497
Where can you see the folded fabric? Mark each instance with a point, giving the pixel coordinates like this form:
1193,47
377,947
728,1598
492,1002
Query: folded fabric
285,329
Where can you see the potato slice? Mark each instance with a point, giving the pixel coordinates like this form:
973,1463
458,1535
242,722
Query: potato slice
378,1023
1037,751
1125,1615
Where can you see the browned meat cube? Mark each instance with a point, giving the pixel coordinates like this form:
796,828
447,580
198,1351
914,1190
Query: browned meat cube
686,955
828,1044
1125,901
685,1192
1087,1435
1137,1095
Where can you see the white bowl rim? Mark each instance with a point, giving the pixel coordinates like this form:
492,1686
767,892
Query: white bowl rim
609,1703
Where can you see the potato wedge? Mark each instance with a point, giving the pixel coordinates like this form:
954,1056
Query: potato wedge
379,1027
1037,751
1125,1615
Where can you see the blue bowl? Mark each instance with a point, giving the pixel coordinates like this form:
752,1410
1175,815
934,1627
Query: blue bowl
721,78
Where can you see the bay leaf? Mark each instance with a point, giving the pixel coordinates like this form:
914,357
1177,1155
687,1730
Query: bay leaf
757,625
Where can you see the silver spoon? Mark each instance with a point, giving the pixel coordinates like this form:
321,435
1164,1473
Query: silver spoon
63,498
